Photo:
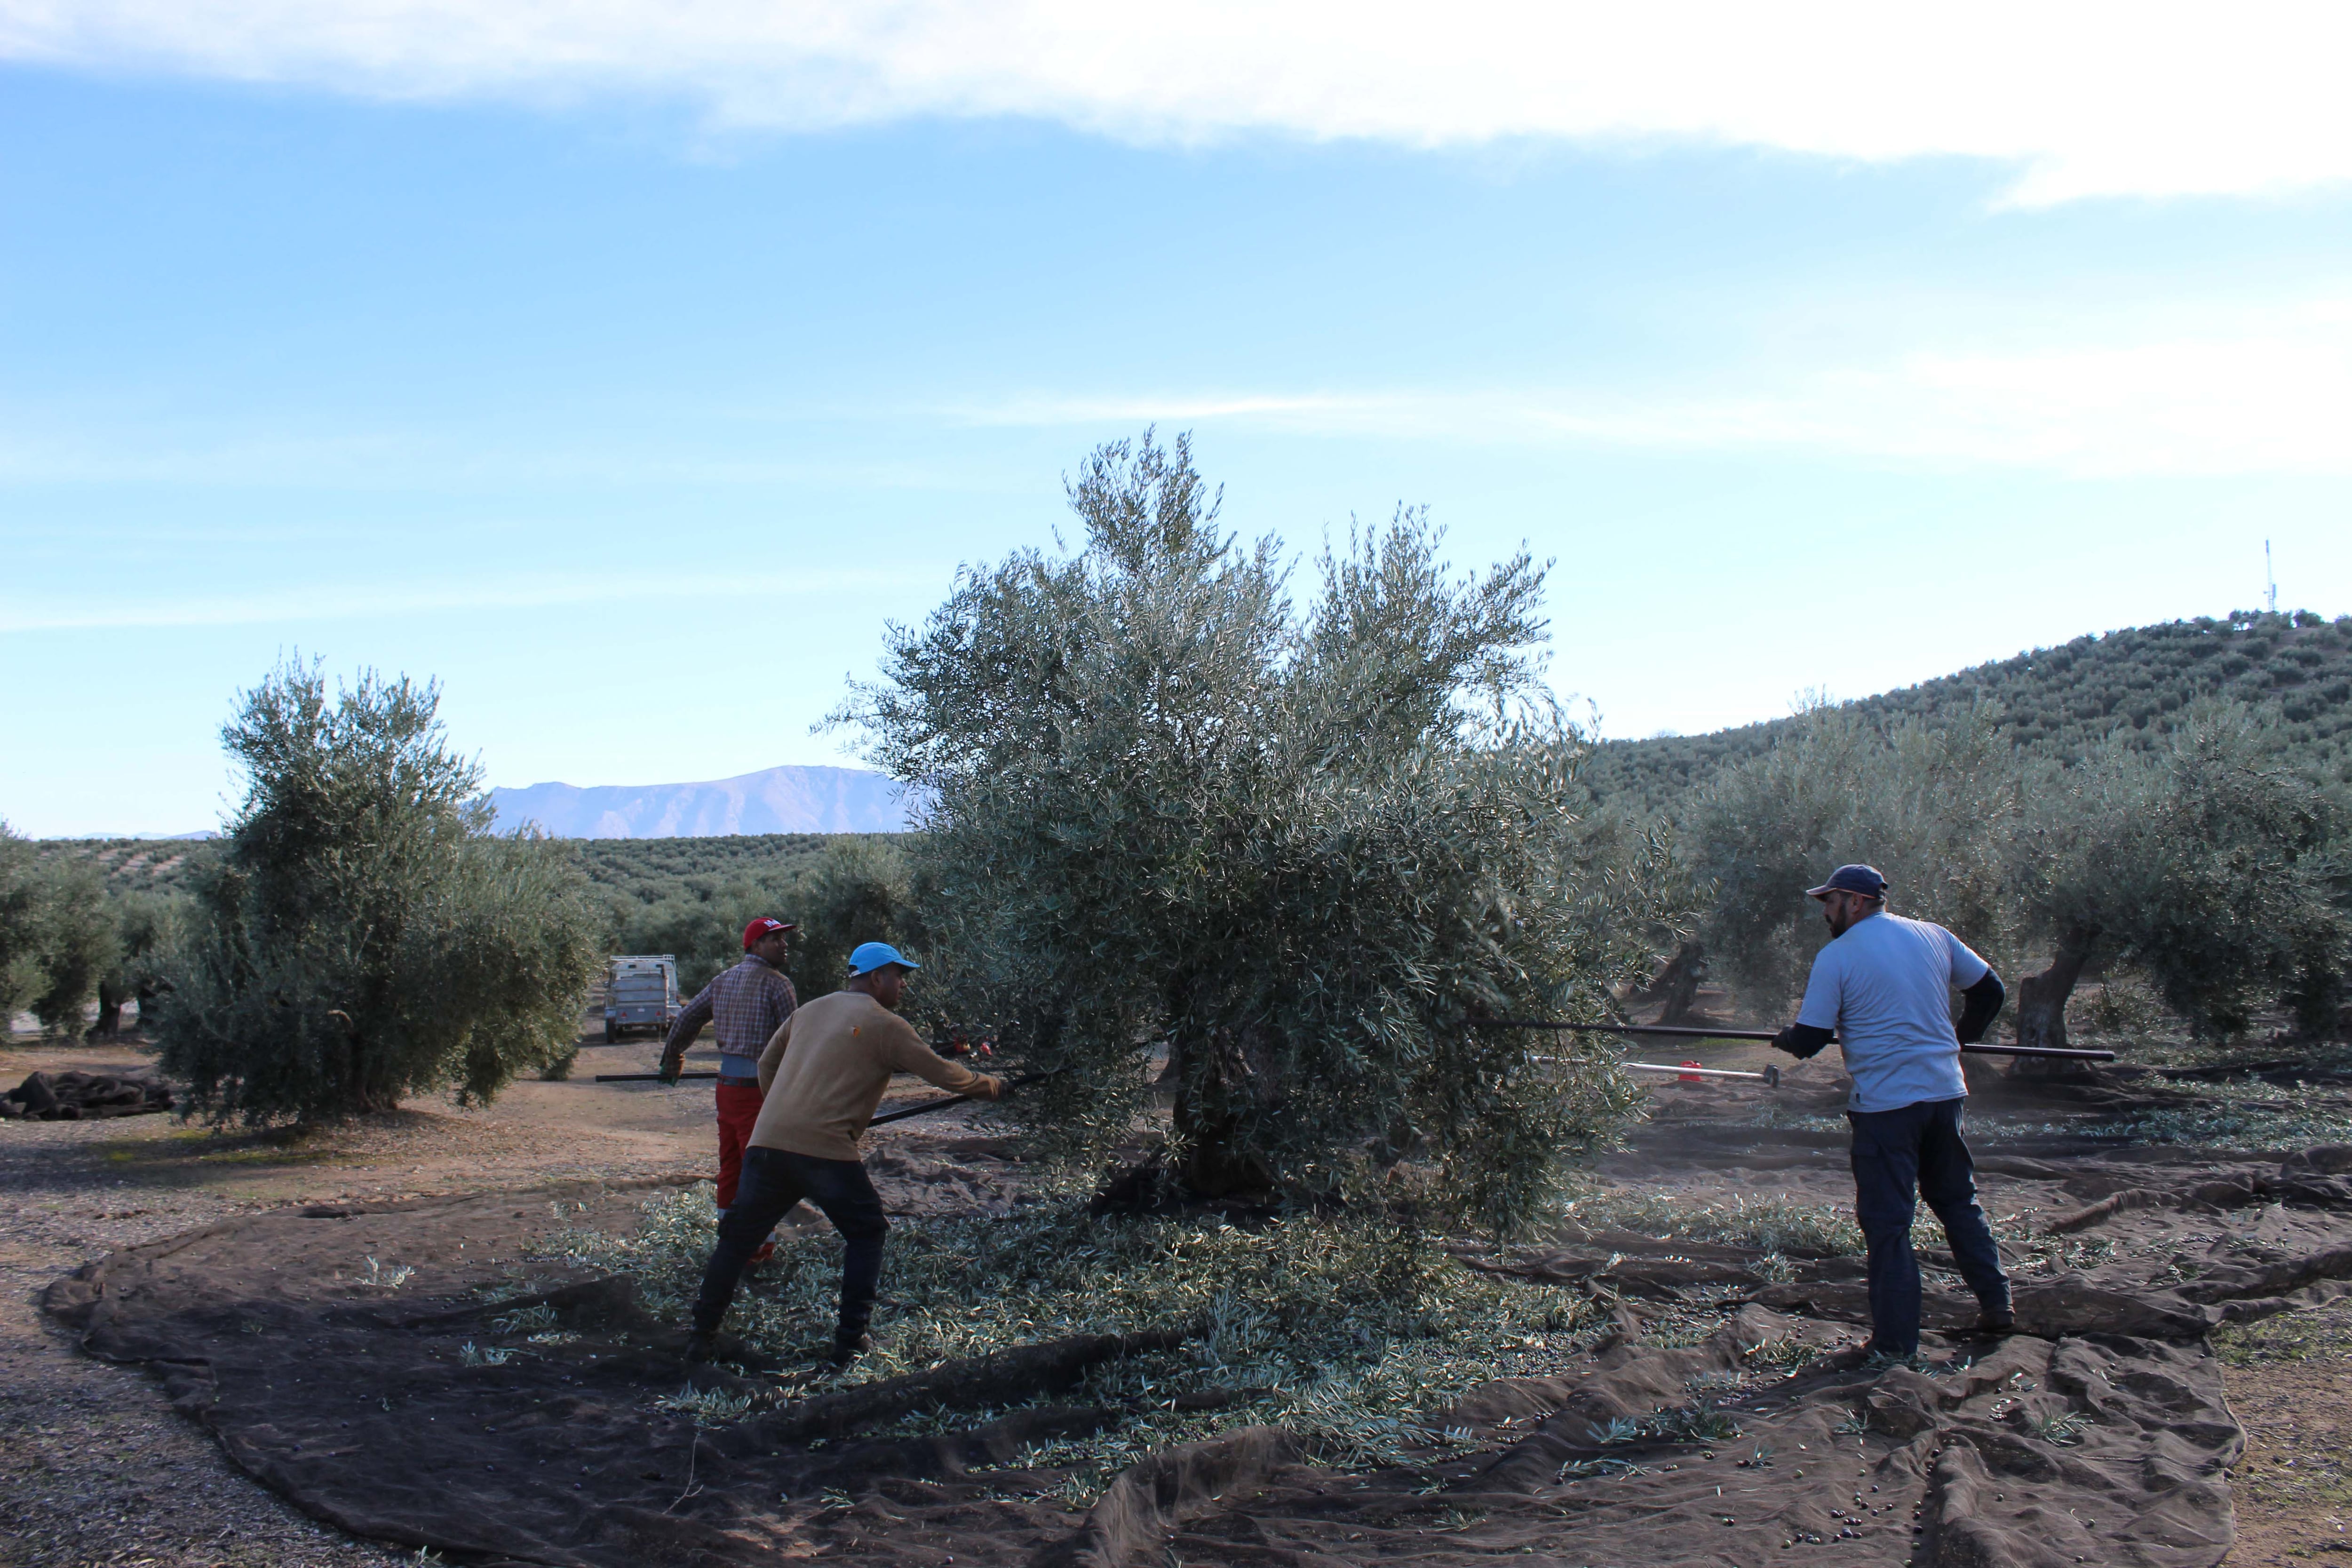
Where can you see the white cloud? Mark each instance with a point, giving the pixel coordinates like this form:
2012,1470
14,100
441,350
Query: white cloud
2273,397
2100,98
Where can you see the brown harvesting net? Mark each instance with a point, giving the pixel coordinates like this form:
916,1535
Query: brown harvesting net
2100,1436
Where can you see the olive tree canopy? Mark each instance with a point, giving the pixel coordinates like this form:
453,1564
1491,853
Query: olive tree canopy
1934,806
2205,865
2208,865
58,937
1305,850
143,927
364,935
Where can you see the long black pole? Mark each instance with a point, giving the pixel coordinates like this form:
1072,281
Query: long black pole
943,1101
1678,1031
928,1105
1628,1029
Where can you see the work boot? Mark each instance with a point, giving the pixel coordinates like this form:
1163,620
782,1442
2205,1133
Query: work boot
700,1348
850,1344
1996,1320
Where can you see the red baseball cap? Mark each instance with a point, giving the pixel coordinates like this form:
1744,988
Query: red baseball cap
764,926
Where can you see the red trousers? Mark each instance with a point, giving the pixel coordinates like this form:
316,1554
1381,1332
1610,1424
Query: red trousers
739,1106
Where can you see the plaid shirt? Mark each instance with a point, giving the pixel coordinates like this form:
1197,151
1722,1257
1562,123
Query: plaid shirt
749,1001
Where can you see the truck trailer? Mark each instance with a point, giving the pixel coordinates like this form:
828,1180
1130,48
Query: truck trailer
640,993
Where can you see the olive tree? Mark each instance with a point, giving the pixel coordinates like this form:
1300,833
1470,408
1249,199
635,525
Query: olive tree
855,891
1308,851
2208,865
143,926
80,946
21,908
1934,806
56,939
364,935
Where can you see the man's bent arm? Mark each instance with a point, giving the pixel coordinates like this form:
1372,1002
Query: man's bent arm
1982,1002
1824,1002
910,1055
689,1024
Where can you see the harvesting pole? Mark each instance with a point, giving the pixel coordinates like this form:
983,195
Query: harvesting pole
1767,1037
941,1103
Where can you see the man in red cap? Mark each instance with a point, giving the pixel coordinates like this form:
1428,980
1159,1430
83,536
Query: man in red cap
749,1003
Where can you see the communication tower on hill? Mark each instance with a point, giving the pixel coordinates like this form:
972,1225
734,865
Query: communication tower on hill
2269,580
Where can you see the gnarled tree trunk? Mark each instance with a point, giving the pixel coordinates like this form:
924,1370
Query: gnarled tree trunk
1677,983
1221,1085
2041,998
111,999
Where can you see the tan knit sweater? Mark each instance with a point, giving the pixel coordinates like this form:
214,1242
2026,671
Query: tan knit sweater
826,1070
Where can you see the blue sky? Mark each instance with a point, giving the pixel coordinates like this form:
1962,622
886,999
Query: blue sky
630,395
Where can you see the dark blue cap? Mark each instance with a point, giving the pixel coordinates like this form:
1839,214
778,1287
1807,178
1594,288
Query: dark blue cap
1863,879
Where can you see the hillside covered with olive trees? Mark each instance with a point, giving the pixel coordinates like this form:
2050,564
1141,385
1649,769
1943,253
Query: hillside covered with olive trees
2061,703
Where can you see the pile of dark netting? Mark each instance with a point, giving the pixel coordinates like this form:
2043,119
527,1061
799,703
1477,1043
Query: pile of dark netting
83,1096
1719,1413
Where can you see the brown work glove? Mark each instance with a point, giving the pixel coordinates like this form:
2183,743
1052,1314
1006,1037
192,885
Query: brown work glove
990,1087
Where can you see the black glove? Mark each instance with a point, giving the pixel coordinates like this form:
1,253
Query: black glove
671,1066
1803,1041
1983,1001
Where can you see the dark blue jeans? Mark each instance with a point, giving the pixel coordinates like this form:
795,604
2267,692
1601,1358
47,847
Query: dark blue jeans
1900,1156
772,1182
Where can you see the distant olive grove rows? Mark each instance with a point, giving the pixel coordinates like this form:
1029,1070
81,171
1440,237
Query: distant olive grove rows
2043,765
2140,853
2132,687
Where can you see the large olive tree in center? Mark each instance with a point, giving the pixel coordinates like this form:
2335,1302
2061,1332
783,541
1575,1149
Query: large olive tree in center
1306,849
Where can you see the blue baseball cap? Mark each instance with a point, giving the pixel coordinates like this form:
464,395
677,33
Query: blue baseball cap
1863,879
872,955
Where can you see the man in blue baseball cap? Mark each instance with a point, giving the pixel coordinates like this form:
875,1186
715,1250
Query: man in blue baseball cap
1883,989
822,1075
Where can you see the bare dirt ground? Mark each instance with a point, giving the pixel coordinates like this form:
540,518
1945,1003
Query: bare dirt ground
97,1468
2290,1383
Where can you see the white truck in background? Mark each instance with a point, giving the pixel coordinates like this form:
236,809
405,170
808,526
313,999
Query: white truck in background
640,993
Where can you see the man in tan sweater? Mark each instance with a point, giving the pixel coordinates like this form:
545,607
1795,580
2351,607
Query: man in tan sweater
824,1072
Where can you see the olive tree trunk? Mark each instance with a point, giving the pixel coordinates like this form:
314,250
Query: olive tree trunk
111,998
1219,1085
2041,998
1677,983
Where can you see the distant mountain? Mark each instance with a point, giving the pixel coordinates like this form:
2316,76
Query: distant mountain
777,800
